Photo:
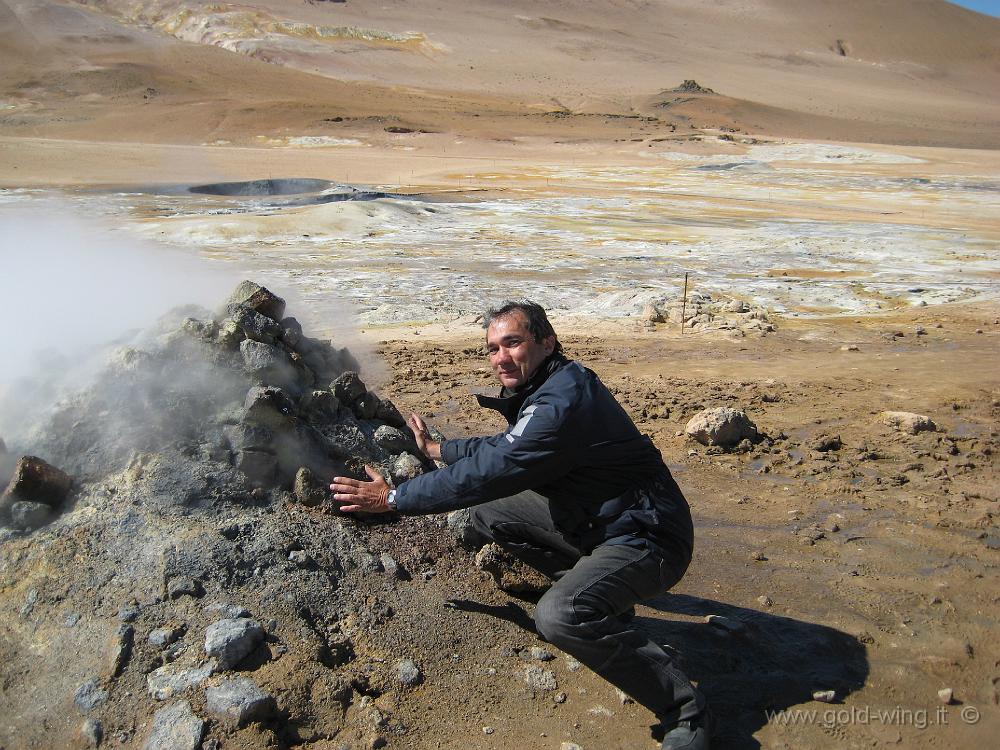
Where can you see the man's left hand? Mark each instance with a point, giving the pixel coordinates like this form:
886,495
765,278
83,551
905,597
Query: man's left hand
370,497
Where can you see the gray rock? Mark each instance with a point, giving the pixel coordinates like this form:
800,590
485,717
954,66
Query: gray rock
232,640
243,437
91,733
255,326
120,650
348,388
240,701
175,727
89,696
268,364
409,673
227,610
28,516
406,466
387,412
825,442
541,654
268,407
35,481
258,298
307,489
460,525
161,637
824,696
905,421
259,467
722,426
725,623
170,680
183,586
229,335
129,611
392,440
393,568
540,679
300,558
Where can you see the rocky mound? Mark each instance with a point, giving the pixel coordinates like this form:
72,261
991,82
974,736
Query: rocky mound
198,584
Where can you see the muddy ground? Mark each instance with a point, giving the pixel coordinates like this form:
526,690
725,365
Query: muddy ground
869,570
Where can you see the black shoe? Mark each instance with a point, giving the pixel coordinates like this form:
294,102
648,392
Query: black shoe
689,734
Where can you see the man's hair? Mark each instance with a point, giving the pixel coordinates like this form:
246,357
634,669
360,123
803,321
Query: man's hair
538,322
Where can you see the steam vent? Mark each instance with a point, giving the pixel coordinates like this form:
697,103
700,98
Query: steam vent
174,573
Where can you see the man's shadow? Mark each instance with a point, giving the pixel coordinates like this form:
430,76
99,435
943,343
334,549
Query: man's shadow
769,663
760,663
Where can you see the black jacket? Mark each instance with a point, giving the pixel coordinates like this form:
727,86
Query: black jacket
572,442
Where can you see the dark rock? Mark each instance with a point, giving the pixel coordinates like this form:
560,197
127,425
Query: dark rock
254,325
35,481
183,586
164,636
824,443
268,407
258,298
28,516
248,437
307,489
231,640
175,728
260,468
348,388
89,696
388,413
366,407
240,701
268,364
460,525
129,611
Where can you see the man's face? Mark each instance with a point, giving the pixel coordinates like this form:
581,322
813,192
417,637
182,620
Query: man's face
514,353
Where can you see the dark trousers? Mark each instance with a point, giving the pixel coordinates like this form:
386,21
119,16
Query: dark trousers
581,612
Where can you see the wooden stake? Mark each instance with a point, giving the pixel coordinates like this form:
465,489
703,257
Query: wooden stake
685,303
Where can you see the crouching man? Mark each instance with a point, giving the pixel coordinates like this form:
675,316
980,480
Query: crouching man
573,489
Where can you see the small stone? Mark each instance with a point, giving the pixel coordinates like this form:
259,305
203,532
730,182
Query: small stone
175,728
227,610
393,568
129,611
764,600
183,586
91,733
119,651
89,696
540,679
905,421
488,730
624,697
560,697
405,467
573,665
946,696
725,623
232,640
168,681
240,701
162,637
850,348
300,557
541,654
409,673
824,696
460,525
569,746
758,556
721,426
825,443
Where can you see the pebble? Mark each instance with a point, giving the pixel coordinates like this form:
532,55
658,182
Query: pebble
850,348
89,696
175,728
573,665
541,654
570,746
624,697
165,636
946,695
183,586
725,623
764,600
129,611
409,673
824,696
168,681
239,700
540,679
300,557
232,640
560,697
488,730
91,732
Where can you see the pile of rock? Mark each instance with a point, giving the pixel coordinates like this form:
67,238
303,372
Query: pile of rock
703,313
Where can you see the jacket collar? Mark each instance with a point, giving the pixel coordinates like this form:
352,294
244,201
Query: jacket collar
509,402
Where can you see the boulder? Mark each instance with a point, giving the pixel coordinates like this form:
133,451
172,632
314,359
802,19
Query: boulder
269,407
905,421
348,388
35,481
231,640
722,426
267,363
175,728
254,325
239,701
258,298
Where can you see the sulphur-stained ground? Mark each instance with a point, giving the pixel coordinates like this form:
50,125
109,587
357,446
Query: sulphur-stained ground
867,569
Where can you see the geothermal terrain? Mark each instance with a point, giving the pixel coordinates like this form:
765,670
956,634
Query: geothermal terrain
787,208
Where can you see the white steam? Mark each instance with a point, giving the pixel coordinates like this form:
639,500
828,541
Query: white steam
71,287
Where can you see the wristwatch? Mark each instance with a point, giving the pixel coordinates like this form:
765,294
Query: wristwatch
391,500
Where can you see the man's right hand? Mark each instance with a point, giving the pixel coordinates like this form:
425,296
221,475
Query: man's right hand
427,445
